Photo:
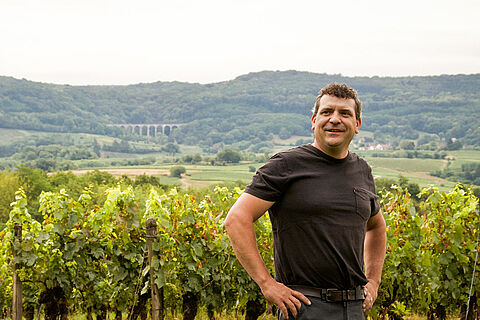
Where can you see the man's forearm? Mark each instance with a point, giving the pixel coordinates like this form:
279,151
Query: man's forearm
375,244
244,243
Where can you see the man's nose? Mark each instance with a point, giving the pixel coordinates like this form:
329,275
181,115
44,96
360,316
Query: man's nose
335,118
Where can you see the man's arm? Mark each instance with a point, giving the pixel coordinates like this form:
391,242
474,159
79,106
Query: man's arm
240,229
375,244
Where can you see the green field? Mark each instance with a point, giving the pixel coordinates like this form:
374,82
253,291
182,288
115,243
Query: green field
195,176
406,165
204,175
463,156
223,173
415,170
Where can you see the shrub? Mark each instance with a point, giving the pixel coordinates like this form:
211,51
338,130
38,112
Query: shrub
177,171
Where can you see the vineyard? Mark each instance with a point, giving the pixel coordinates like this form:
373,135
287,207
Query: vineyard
93,259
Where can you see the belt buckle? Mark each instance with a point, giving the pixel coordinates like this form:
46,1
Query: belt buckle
328,295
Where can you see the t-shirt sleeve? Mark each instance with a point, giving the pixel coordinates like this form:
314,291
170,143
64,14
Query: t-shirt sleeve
375,204
270,180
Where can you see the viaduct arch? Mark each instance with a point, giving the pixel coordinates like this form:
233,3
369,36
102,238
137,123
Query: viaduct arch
148,129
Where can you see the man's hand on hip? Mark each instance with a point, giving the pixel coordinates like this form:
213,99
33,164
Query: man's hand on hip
284,297
370,290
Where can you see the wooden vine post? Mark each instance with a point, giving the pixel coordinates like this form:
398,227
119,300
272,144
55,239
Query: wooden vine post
17,309
157,295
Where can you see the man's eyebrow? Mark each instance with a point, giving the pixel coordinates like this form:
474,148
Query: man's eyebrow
333,107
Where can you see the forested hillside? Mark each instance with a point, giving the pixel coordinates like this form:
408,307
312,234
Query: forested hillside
250,108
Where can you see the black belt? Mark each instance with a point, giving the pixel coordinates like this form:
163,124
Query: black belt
331,295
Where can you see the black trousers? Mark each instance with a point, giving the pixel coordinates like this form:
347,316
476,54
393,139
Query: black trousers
321,310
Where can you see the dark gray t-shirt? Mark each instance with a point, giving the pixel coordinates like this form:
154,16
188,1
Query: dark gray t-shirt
319,217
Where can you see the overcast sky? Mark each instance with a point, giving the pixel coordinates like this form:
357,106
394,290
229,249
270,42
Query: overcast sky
132,41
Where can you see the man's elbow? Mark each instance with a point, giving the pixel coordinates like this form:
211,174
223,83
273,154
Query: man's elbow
231,220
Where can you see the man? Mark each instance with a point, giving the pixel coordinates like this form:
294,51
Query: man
326,220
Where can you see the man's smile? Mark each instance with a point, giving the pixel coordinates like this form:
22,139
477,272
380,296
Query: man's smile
334,130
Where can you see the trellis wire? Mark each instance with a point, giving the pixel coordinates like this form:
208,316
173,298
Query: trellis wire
474,267
137,290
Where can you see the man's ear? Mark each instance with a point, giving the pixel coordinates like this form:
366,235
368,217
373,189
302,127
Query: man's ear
358,125
312,120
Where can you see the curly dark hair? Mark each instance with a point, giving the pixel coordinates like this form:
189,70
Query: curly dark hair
339,90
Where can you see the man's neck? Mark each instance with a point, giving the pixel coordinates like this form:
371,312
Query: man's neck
332,152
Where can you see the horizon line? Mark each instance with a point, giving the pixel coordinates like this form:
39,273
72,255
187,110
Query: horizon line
244,74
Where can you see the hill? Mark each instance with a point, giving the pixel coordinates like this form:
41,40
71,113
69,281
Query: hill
250,109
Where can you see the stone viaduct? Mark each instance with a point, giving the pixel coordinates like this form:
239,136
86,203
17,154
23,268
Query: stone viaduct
148,129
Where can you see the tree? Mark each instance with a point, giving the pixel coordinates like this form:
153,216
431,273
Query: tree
171,148
33,181
284,134
453,145
407,145
96,147
385,184
177,171
413,188
45,164
229,155
147,180
197,158
9,185
188,158
124,146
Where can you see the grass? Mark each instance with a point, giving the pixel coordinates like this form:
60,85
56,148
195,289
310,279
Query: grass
212,175
168,180
442,185
471,155
190,149
220,173
406,165
418,170
463,156
202,176
415,170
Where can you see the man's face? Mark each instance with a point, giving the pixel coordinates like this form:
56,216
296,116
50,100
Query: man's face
334,125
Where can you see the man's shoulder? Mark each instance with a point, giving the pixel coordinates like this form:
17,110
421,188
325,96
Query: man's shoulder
295,152
295,158
358,159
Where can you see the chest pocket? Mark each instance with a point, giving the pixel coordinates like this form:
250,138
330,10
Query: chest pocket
364,200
